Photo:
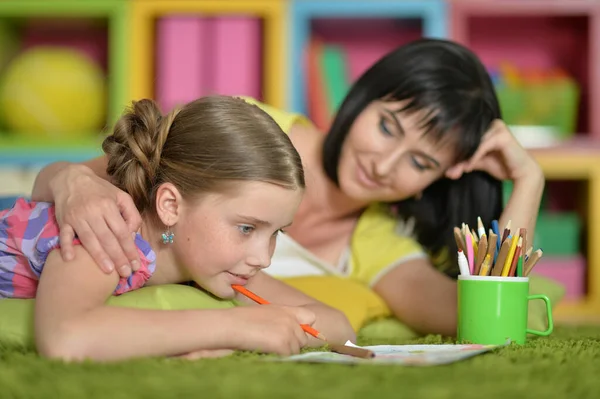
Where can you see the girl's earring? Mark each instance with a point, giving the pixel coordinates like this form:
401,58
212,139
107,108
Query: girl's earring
167,236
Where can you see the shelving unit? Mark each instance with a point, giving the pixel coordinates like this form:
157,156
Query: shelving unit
143,41
17,151
352,21
551,34
579,161
537,33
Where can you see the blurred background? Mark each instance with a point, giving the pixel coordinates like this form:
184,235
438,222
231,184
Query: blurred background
68,67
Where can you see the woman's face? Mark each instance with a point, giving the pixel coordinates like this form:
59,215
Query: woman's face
386,157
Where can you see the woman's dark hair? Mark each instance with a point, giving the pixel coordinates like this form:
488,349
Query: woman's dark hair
449,82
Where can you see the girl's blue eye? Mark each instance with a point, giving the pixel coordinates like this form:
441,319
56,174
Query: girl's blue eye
245,229
383,127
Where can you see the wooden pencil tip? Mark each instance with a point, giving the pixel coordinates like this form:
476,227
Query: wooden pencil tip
321,337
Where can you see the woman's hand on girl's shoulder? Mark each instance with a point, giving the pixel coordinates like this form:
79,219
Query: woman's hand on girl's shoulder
500,155
102,217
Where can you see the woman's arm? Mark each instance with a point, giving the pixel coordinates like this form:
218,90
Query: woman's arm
524,203
501,155
57,175
421,297
89,206
331,322
72,320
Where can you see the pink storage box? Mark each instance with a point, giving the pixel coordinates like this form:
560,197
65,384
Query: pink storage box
569,271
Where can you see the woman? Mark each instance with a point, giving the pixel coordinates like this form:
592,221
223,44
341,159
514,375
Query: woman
418,139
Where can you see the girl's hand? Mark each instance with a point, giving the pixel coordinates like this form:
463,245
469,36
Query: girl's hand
500,155
102,216
271,328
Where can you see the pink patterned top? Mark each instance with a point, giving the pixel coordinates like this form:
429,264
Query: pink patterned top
28,233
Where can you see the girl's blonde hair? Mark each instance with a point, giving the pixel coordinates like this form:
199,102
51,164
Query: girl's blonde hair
206,146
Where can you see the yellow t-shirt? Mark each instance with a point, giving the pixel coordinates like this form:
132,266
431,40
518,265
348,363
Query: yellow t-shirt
375,248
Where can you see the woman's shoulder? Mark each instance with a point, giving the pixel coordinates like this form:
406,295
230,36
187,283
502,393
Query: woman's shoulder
378,227
380,243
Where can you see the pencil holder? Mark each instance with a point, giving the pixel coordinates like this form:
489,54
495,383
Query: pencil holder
494,309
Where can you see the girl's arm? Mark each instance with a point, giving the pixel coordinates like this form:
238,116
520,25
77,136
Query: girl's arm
421,297
89,206
331,322
72,320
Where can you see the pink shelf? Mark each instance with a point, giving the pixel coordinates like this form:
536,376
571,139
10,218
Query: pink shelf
537,33
569,271
198,56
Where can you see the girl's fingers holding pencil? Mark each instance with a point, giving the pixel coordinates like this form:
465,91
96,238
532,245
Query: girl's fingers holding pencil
270,328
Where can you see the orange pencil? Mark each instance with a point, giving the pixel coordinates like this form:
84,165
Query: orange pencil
308,329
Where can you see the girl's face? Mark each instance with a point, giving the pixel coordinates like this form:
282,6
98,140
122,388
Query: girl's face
386,157
225,239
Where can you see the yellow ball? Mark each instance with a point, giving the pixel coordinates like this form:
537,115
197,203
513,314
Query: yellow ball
54,92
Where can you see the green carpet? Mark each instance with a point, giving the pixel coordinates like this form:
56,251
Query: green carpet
565,365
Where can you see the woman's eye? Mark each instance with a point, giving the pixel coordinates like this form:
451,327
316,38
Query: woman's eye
419,165
245,229
383,127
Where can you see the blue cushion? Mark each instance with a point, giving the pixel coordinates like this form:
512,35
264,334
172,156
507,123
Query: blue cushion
7,202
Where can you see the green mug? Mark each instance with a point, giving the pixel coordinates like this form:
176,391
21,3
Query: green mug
492,310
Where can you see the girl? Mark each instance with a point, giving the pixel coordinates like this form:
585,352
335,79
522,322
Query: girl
214,183
416,148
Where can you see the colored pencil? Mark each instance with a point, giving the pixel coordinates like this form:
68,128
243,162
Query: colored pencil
499,265
492,251
513,265
496,230
492,254
480,228
470,250
485,267
509,257
460,242
506,232
481,253
532,261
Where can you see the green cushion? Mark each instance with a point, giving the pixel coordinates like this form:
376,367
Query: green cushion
16,315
